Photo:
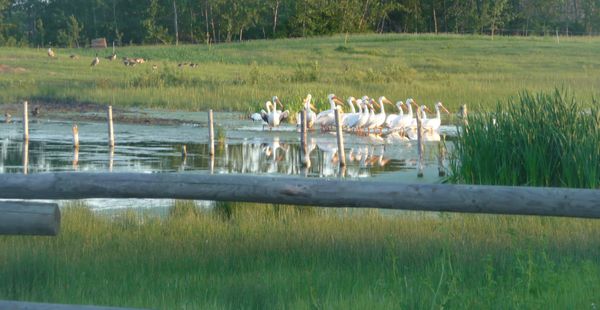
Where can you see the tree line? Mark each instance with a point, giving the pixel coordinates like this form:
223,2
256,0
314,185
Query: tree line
73,23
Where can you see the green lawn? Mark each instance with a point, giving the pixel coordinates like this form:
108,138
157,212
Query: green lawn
259,257
241,76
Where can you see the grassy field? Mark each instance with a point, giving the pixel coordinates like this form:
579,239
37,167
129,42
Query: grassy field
241,76
256,257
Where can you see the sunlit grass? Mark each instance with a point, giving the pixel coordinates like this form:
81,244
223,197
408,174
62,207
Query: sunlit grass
548,139
241,76
263,256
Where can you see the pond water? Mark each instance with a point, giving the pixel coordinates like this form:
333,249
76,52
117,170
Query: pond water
244,148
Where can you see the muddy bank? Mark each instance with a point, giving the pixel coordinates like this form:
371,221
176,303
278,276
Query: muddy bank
78,111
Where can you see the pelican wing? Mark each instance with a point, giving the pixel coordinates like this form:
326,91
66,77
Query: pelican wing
264,115
284,115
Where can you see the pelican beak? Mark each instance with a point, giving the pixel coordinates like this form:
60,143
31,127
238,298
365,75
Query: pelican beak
313,107
427,110
444,108
338,101
388,101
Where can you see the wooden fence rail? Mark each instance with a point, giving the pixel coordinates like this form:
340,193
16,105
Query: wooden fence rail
29,218
306,191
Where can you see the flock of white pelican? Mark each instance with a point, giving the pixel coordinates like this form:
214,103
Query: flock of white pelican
367,115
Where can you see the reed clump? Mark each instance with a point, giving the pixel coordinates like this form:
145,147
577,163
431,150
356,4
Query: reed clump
544,139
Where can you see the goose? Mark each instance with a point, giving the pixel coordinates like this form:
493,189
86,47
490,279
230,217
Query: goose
112,57
95,61
73,56
7,117
434,123
36,111
326,118
51,53
311,116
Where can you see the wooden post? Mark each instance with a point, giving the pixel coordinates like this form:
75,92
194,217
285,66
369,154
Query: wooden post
111,134
463,114
111,157
75,136
25,157
340,138
211,133
441,157
304,138
557,37
29,218
419,143
75,158
25,122
183,151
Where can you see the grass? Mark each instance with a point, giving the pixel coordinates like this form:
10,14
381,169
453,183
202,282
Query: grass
242,76
548,139
245,256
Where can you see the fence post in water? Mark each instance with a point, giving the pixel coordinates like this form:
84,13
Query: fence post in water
25,157
211,133
183,151
463,114
111,134
304,138
340,138
75,136
441,157
75,158
419,143
25,122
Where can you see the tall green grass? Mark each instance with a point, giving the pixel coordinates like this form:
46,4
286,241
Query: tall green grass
248,256
547,139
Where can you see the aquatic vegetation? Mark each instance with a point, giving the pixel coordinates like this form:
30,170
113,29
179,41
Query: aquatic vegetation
546,139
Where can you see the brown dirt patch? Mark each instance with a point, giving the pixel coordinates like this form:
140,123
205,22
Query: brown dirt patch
9,69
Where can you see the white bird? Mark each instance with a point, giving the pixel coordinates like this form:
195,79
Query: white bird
274,117
311,116
363,117
434,123
327,118
350,119
393,118
51,53
378,119
256,117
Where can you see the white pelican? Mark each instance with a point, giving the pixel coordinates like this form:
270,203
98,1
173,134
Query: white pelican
393,118
311,116
327,118
281,115
363,117
371,117
50,53
409,118
378,119
351,119
255,117
434,123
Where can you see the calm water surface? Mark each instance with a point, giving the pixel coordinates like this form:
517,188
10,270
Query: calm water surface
245,149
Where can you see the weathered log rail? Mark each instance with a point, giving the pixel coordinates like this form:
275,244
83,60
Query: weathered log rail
29,218
583,203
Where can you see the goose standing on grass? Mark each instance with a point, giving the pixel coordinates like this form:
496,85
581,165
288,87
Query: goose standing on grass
112,57
326,118
51,53
95,61
434,123
311,116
